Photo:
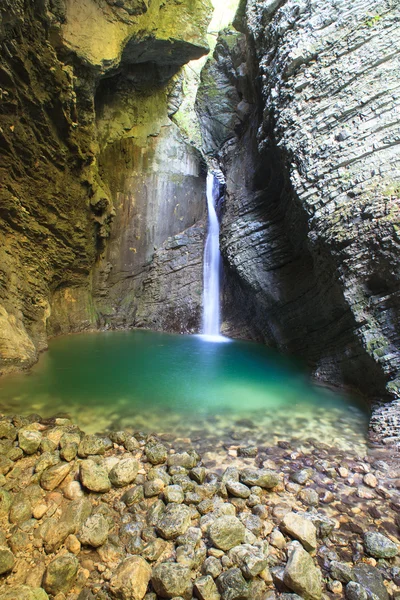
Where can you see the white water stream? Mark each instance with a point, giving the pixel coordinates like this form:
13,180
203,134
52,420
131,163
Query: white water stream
212,261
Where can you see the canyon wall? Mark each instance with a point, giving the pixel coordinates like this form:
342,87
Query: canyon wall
301,110
76,189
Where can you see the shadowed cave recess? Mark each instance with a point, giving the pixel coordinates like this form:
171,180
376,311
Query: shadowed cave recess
104,164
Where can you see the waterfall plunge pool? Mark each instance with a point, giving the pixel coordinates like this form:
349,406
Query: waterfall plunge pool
181,384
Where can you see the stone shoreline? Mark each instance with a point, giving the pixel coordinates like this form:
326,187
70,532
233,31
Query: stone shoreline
133,516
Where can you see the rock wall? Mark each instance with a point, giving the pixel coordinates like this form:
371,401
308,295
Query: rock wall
310,152
158,188
58,61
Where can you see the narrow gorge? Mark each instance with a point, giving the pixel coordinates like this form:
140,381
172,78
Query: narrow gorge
228,168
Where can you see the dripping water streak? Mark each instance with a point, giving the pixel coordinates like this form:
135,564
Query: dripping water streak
212,259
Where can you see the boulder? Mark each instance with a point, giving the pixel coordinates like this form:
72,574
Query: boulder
94,477
301,529
232,585
174,521
156,453
53,476
131,579
7,560
263,478
171,580
301,575
60,574
29,441
94,531
226,532
205,588
124,472
379,546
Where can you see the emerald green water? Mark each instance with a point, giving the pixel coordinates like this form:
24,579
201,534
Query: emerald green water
157,380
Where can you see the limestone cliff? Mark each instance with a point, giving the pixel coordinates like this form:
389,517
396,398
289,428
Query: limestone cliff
68,175
309,143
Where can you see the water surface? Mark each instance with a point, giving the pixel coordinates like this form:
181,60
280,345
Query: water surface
158,381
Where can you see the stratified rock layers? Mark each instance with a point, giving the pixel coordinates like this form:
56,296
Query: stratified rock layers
310,232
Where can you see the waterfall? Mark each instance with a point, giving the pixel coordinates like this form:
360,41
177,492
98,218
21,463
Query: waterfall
212,260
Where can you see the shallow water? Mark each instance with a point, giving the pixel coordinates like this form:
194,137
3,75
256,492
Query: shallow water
172,383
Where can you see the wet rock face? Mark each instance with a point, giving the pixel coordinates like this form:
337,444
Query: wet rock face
309,232
56,206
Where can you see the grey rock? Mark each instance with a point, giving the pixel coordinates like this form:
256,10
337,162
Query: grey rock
69,451
379,546
60,574
302,576
322,523
131,579
226,532
341,572
6,464
198,474
7,430
21,509
153,488
170,580
355,591
5,503
309,497
94,477
232,585
94,531
371,580
54,533
301,477
174,521
124,472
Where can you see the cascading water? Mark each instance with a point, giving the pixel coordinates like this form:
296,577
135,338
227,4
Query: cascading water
212,261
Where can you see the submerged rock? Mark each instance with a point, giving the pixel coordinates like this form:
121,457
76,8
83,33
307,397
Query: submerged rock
379,546
371,580
263,478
